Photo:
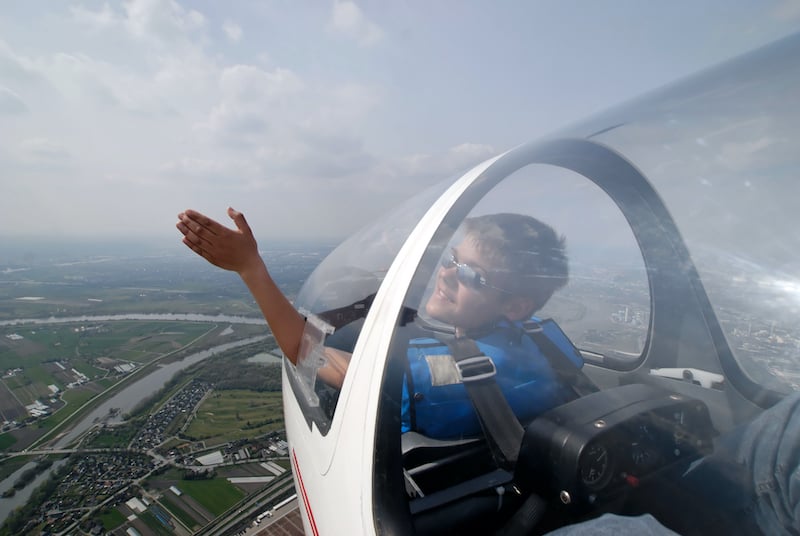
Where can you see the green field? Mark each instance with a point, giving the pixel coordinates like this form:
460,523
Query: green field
154,524
179,513
84,347
215,495
38,374
81,342
105,383
113,437
89,370
197,293
236,414
112,519
7,440
75,398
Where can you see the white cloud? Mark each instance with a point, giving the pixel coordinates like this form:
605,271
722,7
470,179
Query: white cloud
78,77
183,117
163,20
98,19
158,21
251,99
11,103
347,19
456,159
135,79
232,30
190,169
14,67
251,83
150,97
44,150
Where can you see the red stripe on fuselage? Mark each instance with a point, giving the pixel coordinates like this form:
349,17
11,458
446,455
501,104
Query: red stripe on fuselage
307,506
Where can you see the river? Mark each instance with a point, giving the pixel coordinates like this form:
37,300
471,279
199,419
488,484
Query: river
183,317
141,389
126,399
9,504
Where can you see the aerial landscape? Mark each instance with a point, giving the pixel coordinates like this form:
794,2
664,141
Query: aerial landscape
143,392
140,386
153,376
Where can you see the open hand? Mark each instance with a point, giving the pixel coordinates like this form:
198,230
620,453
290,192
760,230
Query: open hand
230,249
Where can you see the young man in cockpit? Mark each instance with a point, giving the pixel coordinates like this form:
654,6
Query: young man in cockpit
506,267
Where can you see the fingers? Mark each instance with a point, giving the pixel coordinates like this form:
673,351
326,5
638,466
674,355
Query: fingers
199,217
191,240
192,230
239,220
200,223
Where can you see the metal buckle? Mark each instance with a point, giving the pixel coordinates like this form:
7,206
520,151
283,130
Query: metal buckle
532,327
476,368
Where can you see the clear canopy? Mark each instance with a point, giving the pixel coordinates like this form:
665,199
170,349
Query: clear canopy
679,219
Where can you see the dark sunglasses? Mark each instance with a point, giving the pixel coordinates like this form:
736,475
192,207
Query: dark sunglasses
466,274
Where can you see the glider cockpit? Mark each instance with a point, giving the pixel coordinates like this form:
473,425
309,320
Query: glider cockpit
679,213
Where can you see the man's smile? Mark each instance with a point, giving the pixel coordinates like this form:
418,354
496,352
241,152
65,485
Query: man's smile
444,295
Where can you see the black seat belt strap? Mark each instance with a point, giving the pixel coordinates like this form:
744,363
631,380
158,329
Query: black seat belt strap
412,409
566,370
500,424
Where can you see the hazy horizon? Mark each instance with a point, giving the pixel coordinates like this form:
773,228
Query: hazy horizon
15,251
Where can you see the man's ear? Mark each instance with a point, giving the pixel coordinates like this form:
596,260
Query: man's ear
519,308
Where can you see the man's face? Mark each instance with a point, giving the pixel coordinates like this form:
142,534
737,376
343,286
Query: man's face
461,305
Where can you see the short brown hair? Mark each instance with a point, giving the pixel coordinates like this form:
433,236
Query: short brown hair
528,250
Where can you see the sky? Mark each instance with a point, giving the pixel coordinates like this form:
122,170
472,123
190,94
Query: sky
312,117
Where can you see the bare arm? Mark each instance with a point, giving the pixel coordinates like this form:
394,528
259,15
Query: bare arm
237,250
335,367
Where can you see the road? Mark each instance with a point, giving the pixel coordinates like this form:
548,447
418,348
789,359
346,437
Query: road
242,514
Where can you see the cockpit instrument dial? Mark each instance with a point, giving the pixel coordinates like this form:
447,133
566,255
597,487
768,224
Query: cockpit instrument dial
595,466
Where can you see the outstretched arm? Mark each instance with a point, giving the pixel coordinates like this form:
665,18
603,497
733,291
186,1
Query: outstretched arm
237,250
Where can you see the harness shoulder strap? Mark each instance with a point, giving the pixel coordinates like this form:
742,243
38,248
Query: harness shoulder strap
568,369
500,425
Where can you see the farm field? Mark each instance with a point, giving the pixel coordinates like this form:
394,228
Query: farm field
236,414
197,501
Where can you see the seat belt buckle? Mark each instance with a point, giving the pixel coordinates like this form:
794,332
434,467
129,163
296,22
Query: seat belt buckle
473,369
532,327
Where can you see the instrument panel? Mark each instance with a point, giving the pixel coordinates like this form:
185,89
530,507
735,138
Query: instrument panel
600,445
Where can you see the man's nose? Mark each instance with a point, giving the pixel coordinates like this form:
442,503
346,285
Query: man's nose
448,275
